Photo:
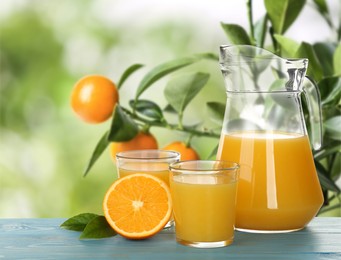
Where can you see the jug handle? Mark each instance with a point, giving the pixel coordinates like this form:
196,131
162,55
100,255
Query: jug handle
313,99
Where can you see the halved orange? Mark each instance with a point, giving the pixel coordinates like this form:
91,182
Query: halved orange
138,206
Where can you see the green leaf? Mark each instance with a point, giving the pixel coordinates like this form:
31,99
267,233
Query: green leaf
130,70
333,127
181,90
289,47
216,111
78,222
236,34
278,85
123,127
213,153
98,227
279,74
337,60
147,108
330,149
330,89
321,6
208,56
163,70
314,68
324,178
335,171
324,52
274,99
99,149
169,109
260,30
283,13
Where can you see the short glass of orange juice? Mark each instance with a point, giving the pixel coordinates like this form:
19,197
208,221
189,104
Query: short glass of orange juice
204,201
153,162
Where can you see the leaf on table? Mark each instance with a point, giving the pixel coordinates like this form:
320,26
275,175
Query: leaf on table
147,108
123,127
78,222
236,34
98,227
283,13
181,90
129,71
99,149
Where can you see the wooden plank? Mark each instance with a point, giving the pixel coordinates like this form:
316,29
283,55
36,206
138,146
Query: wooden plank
43,239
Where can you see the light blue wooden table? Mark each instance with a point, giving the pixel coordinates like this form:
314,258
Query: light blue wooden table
44,239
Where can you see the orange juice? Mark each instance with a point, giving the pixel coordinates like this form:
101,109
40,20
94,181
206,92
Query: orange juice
278,188
203,207
159,170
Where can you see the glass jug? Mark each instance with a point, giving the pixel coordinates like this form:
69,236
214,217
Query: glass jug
265,132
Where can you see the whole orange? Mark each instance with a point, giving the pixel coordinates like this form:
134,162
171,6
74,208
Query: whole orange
140,142
187,152
93,98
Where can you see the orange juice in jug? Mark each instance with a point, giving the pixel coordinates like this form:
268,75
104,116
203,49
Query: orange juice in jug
278,187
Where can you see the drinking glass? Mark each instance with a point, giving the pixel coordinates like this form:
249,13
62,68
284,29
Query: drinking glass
204,200
152,162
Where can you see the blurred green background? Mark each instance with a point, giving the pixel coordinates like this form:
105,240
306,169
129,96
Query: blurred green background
46,46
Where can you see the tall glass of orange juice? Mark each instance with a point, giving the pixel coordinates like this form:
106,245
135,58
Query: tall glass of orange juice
204,198
153,162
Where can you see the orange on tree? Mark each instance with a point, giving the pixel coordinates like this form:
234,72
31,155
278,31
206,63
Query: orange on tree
187,152
137,206
93,98
142,141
